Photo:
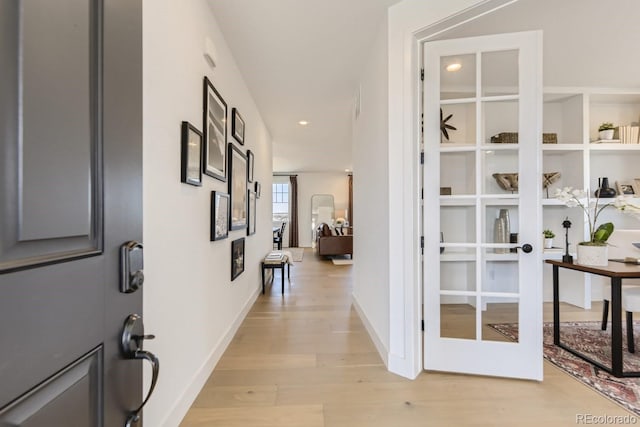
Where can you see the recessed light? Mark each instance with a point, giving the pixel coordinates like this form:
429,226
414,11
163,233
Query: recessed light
347,170
456,66
303,122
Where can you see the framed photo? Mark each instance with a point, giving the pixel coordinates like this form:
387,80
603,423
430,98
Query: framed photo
258,188
237,258
251,196
237,188
625,188
219,215
215,133
191,148
237,126
250,165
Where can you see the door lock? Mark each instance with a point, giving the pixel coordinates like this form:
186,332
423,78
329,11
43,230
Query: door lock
131,266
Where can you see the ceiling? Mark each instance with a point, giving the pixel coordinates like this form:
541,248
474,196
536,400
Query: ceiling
301,60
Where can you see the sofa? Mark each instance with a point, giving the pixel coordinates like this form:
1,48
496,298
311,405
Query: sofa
329,242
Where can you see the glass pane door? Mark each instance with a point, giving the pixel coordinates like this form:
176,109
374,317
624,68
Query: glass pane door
484,152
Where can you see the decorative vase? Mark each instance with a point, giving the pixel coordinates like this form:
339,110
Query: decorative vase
500,235
604,191
548,243
592,255
606,134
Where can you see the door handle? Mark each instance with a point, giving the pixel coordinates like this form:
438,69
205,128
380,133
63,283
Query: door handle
132,341
526,248
131,266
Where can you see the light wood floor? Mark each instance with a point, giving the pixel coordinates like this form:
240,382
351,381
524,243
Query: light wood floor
305,360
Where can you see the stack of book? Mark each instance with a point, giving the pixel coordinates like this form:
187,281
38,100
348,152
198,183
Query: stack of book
275,256
629,134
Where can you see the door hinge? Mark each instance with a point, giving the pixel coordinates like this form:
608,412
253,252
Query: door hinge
422,157
422,325
422,74
422,244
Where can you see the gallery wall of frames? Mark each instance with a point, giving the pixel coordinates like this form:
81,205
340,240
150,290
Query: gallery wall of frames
210,153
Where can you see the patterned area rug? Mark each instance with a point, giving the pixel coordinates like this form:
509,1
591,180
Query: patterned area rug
587,338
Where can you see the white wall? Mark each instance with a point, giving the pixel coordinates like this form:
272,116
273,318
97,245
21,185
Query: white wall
406,20
371,200
190,304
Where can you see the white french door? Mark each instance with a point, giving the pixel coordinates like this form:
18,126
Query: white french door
482,273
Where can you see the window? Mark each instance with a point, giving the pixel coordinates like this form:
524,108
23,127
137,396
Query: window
280,201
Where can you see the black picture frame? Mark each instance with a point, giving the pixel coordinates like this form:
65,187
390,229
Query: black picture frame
191,154
237,258
237,188
237,126
250,163
215,133
251,211
257,189
219,216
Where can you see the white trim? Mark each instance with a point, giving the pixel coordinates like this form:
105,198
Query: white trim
410,22
190,393
382,350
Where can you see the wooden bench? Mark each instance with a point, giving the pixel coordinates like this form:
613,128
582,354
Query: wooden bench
274,260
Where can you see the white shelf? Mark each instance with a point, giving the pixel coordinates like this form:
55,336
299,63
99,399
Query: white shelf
562,148
614,147
456,147
510,257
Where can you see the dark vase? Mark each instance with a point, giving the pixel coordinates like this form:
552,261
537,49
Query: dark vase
604,191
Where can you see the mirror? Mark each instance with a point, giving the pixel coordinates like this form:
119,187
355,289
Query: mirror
322,210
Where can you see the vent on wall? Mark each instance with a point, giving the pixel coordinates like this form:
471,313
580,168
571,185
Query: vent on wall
210,52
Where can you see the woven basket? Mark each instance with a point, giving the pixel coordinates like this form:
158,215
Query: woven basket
512,138
505,138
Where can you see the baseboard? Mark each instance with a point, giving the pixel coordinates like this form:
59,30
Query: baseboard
188,396
382,350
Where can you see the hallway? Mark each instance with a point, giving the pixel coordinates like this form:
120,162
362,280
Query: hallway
304,359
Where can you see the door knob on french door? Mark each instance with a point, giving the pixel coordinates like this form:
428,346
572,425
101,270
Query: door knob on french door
526,248
133,337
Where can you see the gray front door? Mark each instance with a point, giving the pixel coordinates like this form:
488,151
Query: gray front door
70,195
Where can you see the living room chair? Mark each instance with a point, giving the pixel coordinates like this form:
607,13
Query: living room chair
279,235
620,246
631,303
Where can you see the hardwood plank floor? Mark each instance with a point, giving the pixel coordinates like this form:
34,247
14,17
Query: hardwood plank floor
305,359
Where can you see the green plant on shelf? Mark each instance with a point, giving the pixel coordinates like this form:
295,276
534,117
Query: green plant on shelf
606,126
548,234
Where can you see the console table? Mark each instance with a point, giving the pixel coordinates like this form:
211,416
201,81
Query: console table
616,272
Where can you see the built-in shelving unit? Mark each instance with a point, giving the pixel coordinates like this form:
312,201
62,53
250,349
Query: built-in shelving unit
574,115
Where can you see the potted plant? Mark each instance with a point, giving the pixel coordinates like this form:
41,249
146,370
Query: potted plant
548,238
594,250
606,130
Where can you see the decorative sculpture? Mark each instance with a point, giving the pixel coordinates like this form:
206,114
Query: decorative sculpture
444,126
509,181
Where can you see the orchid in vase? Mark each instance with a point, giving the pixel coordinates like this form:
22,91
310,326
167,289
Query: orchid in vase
592,209
626,204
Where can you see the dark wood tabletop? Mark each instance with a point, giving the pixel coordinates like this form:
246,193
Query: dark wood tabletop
613,269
